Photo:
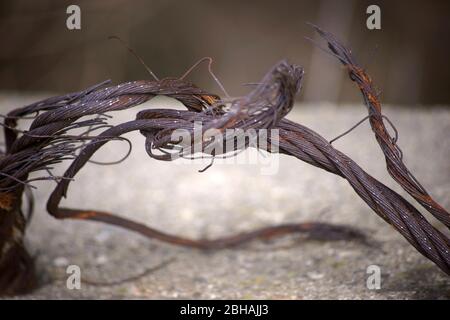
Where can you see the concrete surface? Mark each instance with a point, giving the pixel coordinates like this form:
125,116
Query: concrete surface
176,198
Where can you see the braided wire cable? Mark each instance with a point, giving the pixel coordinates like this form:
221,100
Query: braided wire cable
306,145
393,155
263,108
295,140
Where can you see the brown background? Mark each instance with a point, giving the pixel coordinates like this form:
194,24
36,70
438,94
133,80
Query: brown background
408,58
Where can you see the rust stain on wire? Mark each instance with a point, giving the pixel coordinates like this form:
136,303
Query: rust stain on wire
49,141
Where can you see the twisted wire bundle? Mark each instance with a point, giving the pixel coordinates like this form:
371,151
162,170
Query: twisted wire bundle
393,155
264,108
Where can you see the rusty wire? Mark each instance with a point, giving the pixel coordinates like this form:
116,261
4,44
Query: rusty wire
49,127
295,140
263,108
393,154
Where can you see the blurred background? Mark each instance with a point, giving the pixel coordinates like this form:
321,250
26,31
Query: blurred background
408,58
